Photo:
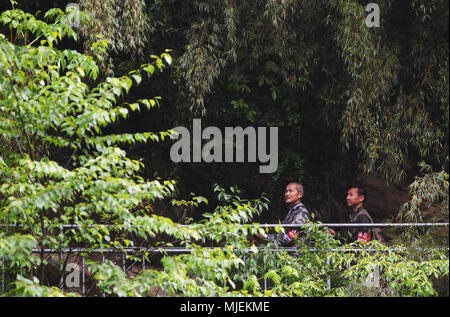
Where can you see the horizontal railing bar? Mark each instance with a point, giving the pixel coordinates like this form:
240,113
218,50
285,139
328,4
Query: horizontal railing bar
187,250
270,225
429,224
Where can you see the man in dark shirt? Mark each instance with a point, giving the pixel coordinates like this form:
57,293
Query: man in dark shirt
356,197
297,214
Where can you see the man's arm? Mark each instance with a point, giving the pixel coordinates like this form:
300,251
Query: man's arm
301,216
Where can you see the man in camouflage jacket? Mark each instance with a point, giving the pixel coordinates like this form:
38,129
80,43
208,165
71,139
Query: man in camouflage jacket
297,214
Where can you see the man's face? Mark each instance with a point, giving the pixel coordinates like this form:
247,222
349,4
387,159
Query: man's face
292,195
353,199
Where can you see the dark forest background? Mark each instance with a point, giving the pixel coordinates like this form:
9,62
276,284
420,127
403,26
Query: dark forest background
353,104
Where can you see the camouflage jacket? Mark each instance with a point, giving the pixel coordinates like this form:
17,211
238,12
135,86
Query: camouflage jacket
297,214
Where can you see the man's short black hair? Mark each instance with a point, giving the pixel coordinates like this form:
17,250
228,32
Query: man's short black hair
298,186
361,191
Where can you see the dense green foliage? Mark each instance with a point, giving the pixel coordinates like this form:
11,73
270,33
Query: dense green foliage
337,90
346,98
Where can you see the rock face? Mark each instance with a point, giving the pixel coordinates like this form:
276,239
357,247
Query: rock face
383,200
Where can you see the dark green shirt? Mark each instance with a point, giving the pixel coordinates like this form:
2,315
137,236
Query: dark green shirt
362,231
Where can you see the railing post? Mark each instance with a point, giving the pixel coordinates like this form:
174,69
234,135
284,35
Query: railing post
103,261
61,265
83,278
3,275
329,277
143,261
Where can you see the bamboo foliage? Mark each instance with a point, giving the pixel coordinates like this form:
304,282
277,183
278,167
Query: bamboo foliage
59,167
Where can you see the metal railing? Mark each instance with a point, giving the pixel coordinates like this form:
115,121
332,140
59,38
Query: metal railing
77,251
273,225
